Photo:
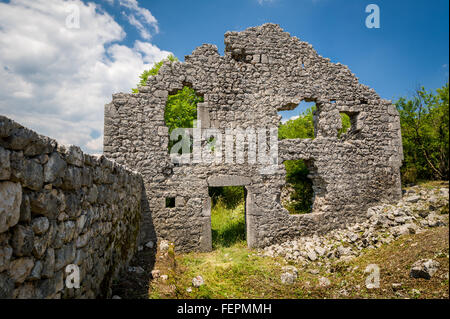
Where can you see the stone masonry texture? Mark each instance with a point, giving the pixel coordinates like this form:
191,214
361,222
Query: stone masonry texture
263,71
59,206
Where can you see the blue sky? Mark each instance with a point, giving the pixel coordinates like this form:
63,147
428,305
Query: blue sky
410,48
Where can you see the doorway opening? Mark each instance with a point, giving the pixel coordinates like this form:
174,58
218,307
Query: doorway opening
228,216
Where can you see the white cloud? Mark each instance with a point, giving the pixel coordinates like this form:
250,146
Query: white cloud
284,120
95,144
56,80
140,17
135,22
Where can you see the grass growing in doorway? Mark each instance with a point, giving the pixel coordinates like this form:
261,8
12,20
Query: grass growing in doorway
228,224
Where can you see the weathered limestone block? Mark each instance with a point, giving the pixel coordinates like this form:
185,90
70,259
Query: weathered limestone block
25,291
20,137
69,253
83,240
5,257
10,200
69,230
44,203
73,155
36,271
73,204
41,145
41,243
40,225
54,168
6,126
5,165
49,287
6,285
28,172
20,269
60,259
22,240
81,221
48,267
25,209
93,194
72,178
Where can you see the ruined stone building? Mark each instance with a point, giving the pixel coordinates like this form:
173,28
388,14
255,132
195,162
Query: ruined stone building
60,207
263,71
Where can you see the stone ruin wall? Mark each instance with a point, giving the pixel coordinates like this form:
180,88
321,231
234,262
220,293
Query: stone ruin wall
264,70
59,206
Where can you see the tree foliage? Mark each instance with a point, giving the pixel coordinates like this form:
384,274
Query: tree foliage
301,127
153,71
301,199
425,132
346,123
296,170
231,196
180,112
181,107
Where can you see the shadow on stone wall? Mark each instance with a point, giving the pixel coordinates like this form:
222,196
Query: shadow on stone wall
133,281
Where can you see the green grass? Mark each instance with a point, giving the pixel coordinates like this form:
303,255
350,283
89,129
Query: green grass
237,272
432,184
228,225
232,270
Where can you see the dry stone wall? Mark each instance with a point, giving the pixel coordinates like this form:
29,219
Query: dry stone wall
264,70
59,206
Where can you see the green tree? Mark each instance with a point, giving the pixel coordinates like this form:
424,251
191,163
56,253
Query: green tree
296,170
301,127
153,71
180,112
425,134
346,123
181,107
302,196
231,196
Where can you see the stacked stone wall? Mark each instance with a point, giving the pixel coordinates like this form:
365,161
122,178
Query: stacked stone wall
60,207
